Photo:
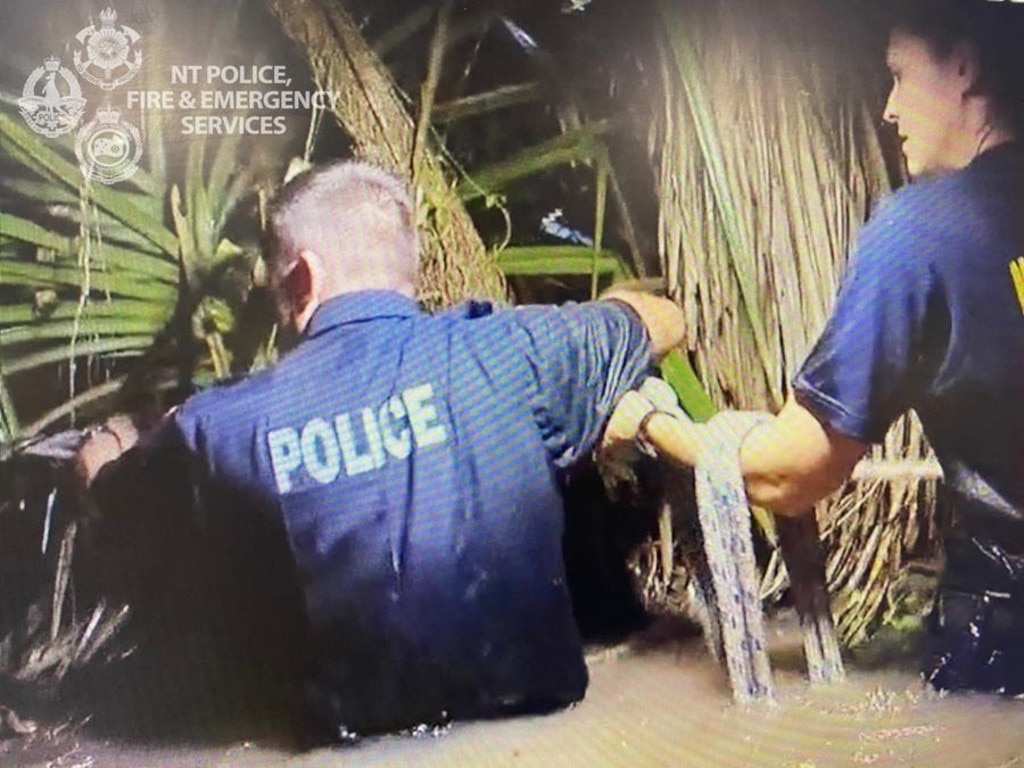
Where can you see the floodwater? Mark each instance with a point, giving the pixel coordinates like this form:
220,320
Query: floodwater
661,704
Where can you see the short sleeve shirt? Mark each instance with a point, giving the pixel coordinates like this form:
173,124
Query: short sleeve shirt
931,316
414,460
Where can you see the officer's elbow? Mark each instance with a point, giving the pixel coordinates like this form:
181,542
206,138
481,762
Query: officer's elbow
666,330
662,319
780,496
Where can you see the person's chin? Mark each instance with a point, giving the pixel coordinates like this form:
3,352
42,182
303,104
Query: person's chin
914,160
915,166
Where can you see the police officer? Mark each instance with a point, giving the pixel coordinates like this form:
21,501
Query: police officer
414,460
930,316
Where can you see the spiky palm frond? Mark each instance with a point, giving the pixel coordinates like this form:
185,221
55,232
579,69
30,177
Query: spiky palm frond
94,272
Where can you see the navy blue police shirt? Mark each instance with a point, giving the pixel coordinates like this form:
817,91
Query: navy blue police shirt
414,459
931,316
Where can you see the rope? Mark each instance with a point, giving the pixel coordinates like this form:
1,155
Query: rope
735,631
728,546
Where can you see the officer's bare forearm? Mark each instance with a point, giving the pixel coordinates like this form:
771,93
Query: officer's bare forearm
661,317
794,461
788,463
106,443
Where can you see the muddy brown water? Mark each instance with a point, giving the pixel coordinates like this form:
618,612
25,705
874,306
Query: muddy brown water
663,704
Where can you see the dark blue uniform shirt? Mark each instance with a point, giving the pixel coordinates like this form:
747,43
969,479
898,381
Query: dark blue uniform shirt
931,316
414,460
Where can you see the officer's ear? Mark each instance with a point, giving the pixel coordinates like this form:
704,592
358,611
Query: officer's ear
303,287
967,64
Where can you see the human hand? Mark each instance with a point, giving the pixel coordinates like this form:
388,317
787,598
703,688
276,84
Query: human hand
105,443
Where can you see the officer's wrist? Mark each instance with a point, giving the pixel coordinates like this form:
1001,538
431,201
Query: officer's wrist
643,437
104,431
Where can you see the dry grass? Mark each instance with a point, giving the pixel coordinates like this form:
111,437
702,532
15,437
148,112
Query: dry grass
769,163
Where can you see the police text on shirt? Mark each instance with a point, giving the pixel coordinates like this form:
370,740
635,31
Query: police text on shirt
359,441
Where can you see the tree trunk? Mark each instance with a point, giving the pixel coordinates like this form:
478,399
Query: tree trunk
455,263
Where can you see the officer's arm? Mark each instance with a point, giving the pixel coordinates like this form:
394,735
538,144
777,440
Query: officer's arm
795,460
661,317
788,463
108,442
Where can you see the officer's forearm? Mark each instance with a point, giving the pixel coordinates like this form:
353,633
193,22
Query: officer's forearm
794,461
788,464
661,317
106,443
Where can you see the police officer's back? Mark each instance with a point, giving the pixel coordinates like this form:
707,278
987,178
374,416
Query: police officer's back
413,460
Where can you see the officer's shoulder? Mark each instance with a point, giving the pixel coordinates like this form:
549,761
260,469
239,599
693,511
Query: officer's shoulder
528,317
929,201
471,309
224,394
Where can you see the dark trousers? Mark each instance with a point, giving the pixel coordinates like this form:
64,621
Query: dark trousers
976,642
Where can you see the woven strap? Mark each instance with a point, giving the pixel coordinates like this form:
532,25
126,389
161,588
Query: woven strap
725,522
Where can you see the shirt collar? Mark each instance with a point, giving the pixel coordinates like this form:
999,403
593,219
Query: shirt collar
1001,151
356,307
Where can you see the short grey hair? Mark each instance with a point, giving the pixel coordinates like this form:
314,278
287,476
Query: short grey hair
359,218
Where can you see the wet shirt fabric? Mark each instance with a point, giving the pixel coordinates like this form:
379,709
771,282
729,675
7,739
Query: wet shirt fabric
414,459
931,316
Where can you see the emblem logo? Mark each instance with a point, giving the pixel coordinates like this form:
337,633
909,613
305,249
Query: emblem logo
111,54
108,148
51,110
1017,275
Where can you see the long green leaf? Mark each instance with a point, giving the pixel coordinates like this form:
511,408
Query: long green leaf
107,256
118,204
122,345
198,213
694,399
131,309
30,232
63,203
579,145
40,191
222,170
489,101
537,260
106,260
10,429
48,161
124,284
118,260
86,327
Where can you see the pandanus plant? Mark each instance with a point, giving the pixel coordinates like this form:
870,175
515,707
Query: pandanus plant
97,276
769,162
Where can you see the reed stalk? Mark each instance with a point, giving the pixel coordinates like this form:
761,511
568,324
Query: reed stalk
769,164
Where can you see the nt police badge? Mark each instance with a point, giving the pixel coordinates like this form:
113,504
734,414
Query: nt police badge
111,54
108,148
51,109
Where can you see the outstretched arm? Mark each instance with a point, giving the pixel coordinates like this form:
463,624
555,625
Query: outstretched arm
788,463
661,317
109,441
795,460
